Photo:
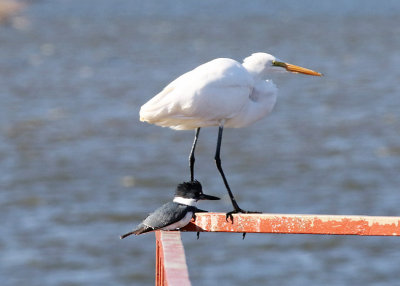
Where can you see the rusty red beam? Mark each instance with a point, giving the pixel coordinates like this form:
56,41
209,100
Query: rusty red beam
297,224
171,268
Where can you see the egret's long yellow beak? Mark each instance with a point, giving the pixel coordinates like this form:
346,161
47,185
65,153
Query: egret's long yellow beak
296,69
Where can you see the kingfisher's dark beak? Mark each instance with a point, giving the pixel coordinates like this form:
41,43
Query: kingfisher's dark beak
207,197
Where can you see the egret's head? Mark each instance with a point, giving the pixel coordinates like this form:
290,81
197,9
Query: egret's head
262,64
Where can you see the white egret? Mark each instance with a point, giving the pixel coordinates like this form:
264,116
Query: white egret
223,93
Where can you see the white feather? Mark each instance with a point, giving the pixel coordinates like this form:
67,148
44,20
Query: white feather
185,201
217,91
179,224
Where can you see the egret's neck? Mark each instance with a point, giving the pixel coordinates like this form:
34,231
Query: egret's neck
256,69
259,65
185,201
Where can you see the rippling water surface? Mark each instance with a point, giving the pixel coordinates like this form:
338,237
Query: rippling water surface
77,168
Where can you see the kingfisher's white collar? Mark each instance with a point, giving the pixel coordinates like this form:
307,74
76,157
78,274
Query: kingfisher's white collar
185,201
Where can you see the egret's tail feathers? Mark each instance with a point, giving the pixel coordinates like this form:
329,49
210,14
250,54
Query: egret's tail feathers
153,114
173,117
162,112
157,107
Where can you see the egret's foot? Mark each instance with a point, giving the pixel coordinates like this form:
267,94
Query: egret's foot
236,211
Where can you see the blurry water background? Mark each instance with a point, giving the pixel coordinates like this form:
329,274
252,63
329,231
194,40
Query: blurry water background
77,168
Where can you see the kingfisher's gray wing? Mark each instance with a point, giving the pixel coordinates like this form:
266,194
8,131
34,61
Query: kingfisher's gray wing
167,214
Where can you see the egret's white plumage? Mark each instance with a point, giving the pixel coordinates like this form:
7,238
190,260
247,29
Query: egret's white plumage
221,90
221,93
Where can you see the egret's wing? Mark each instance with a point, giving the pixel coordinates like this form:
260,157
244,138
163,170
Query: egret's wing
261,102
163,216
212,92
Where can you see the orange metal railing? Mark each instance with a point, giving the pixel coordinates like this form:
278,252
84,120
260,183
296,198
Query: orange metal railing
171,266
292,223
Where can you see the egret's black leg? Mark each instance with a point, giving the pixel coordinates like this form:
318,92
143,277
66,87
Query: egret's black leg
191,156
219,167
236,208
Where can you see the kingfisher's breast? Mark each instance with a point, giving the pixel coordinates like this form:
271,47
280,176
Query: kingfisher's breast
179,224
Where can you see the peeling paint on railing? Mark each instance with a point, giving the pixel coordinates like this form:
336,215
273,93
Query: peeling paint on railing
297,223
171,268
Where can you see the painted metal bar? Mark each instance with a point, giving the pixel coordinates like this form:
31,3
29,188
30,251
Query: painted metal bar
297,224
171,268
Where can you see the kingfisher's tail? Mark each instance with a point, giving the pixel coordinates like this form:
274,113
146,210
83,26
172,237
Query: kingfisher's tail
126,234
140,230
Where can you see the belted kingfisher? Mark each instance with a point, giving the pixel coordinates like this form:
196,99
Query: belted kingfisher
176,214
